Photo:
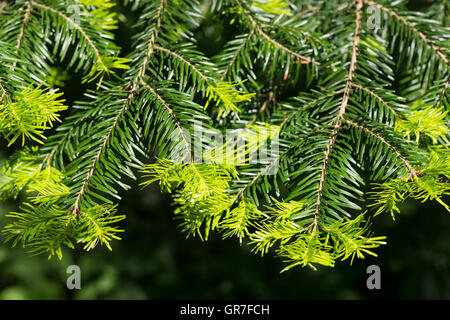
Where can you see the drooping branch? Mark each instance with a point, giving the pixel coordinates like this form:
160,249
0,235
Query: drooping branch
314,131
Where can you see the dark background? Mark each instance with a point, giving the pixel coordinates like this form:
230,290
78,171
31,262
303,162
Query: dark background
155,261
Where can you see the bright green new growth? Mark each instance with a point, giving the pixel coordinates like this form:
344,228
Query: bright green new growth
29,113
105,65
273,6
323,105
45,228
225,93
430,122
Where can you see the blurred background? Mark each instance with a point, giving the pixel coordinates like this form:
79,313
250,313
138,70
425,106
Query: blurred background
154,260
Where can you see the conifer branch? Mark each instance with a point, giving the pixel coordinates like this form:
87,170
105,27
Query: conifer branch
324,121
22,30
106,139
339,117
152,42
259,29
236,55
421,35
381,100
345,6
323,97
176,55
76,26
412,171
172,115
309,35
133,89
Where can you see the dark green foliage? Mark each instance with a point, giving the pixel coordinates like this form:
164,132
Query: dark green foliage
350,98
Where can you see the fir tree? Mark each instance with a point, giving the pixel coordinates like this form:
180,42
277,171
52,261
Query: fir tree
337,109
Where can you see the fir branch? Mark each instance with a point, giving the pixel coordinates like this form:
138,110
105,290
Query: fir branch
76,205
179,57
373,94
311,103
421,35
302,32
329,121
259,29
345,6
339,117
188,155
132,93
22,30
75,25
236,55
151,43
412,171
